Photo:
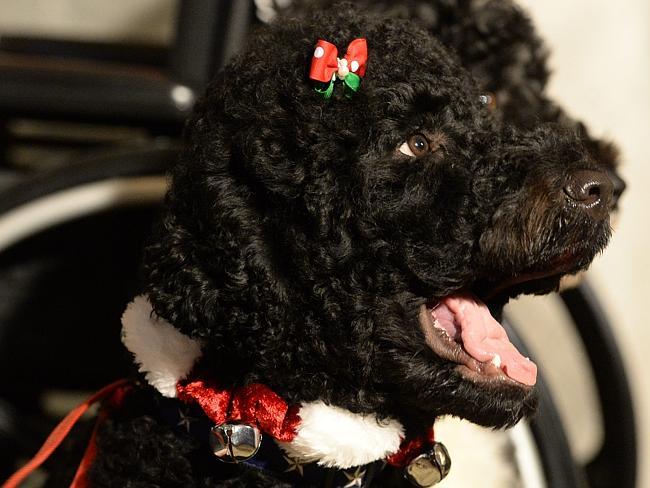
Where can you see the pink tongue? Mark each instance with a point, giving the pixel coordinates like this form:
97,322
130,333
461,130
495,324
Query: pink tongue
466,318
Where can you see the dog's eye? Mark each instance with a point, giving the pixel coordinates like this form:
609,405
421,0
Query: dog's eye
416,145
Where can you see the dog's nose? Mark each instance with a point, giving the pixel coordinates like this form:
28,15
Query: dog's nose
590,190
619,187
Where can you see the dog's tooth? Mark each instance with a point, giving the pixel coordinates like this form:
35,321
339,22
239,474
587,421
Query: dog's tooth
437,325
496,360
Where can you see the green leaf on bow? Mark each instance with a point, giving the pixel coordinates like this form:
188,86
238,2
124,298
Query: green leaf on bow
327,92
352,81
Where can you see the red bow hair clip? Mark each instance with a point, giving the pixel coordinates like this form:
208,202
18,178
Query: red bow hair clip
326,66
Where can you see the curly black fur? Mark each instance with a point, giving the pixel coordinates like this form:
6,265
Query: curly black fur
299,243
497,43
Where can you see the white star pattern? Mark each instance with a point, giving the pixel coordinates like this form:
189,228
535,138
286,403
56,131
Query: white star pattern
293,465
356,478
185,420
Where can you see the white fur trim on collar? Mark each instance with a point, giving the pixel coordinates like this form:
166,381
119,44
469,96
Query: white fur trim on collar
337,438
329,435
162,352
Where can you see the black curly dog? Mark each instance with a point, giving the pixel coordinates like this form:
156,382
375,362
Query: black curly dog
303,238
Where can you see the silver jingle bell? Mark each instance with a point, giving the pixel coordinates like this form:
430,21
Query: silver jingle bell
430,468
233,443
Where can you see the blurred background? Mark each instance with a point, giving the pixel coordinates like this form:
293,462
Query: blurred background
62,57
600,56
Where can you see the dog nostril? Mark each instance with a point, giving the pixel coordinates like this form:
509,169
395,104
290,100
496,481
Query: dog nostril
591,190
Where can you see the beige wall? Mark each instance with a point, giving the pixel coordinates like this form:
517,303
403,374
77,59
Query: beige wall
601,59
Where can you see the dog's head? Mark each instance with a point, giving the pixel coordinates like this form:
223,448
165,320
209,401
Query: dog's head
496,41
342,249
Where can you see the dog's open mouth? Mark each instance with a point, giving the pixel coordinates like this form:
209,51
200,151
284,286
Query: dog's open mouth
460,329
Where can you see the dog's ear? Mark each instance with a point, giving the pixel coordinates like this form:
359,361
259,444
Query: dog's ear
259,166
209,249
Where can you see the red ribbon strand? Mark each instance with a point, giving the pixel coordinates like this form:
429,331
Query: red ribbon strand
114,393
410,449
